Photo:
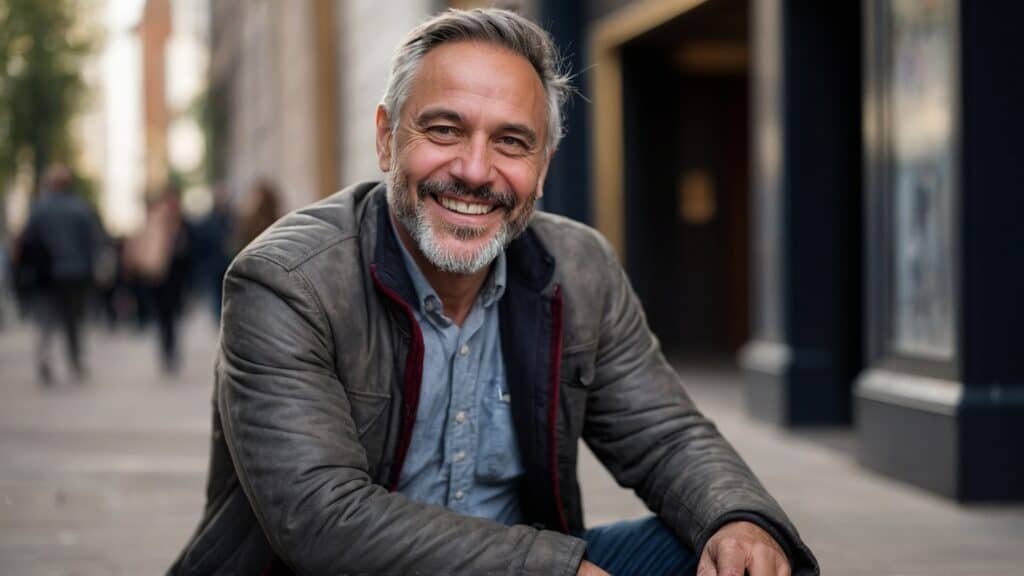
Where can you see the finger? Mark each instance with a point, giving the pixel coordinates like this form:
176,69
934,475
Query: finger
781,565
731,559
706,567
763,561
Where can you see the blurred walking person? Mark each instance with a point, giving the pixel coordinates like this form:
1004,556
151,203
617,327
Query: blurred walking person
58,248
6,287
260,209
158,257
212,249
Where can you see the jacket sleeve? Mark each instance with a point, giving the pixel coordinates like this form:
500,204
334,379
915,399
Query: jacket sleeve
295,449
644,427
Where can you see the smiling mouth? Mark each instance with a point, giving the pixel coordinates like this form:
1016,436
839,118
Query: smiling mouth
465,208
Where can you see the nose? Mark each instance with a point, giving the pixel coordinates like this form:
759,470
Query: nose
473,166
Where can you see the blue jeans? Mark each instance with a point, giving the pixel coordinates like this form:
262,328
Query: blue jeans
634,547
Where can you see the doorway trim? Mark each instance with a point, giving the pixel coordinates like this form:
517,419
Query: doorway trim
606,37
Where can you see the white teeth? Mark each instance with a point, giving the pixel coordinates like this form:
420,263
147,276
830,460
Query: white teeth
463,207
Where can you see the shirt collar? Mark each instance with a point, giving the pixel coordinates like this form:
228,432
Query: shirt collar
428,300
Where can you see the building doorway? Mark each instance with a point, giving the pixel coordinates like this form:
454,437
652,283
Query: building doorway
686,141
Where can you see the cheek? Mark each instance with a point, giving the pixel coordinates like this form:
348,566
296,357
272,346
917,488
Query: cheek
522,179
421,161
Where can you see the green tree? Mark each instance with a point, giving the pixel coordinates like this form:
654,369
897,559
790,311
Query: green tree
41,52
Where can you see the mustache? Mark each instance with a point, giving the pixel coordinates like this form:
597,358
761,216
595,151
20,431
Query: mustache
458,188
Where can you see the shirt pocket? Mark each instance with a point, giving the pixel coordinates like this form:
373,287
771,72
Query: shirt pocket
498,451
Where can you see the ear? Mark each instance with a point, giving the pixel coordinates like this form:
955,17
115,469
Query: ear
383,139
543,174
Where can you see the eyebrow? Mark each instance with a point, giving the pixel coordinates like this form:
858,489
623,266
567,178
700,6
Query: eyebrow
430,115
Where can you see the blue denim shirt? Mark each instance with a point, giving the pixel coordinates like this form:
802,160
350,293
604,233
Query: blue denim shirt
463,453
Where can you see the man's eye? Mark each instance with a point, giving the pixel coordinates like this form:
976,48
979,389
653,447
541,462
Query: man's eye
512,141
443,131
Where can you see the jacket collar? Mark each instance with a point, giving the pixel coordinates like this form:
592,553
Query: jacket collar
388,254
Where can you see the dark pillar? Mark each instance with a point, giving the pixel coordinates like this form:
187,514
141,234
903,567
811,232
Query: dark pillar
806,347
567,188
954,426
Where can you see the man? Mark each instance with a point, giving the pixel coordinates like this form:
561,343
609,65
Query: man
405,369
59,244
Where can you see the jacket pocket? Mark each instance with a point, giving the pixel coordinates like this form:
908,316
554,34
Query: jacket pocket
578,365
366,408
371,429
576,377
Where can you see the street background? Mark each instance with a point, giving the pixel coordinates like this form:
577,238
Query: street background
819,210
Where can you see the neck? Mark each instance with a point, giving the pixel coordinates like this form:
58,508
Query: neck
457,291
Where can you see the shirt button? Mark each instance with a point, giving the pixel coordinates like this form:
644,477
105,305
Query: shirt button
459,495
460,456
460,417
464,350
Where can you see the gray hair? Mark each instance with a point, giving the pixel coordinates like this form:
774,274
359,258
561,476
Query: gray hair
501,27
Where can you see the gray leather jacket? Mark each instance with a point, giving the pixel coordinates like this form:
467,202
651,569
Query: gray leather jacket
317,388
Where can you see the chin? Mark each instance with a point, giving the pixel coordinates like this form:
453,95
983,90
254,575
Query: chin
457,256
461,253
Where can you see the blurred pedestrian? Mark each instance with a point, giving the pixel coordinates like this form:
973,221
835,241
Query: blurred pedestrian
110,286
260,208
158,257
212,249
56,256
6,290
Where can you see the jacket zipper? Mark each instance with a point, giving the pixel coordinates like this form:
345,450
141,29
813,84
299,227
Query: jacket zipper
556,368
411,380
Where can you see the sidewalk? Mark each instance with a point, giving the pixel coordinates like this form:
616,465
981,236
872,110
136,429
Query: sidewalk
108,479
857,522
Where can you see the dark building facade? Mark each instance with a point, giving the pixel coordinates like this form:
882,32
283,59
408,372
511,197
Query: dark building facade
828,195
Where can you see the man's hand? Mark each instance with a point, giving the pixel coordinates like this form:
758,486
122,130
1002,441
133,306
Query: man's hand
589,569
740,548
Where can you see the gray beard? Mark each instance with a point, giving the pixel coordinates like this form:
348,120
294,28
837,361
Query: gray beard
412,215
